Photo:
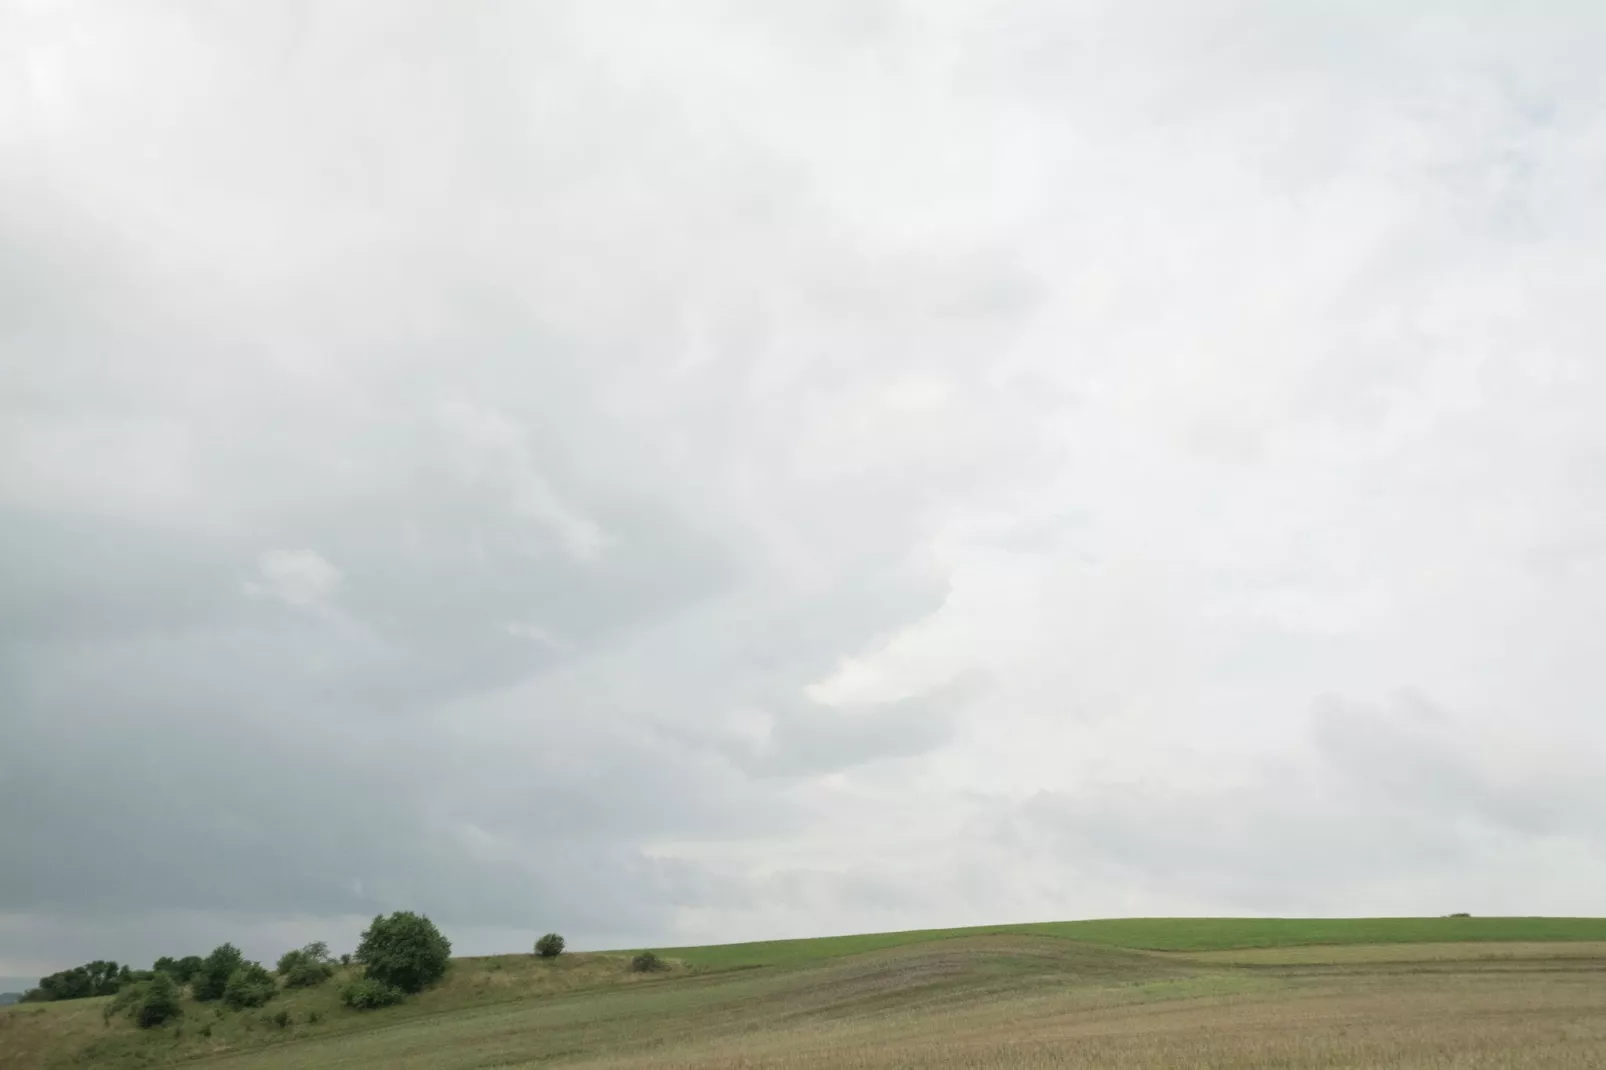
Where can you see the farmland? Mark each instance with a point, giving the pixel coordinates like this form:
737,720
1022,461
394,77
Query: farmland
1130,993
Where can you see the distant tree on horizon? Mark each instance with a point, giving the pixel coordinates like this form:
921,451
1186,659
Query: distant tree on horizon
99,978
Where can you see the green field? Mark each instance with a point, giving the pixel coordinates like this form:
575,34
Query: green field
1169,934
1467,992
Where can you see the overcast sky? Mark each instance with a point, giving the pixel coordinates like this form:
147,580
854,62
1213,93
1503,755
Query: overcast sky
673,472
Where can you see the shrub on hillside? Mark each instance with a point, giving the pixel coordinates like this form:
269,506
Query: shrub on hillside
306,966
212,976
307,974
367,993
158,1003
249,986
549,946
647,962
405,951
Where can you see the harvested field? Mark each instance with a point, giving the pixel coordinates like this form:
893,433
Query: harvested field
963,1001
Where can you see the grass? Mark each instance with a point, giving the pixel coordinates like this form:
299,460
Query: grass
1140,993
1169,934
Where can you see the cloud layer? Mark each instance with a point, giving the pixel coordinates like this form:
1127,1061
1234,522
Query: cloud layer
670,473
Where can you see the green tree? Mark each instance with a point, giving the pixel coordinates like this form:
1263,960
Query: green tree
97,978
549,946
405,950
306,966
160,1002
103,977
249,986
180,970
212,977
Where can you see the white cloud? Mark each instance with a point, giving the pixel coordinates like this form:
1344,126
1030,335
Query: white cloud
300,578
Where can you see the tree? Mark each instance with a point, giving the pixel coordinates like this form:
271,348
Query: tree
98,978
306,966
549,946
405,950
103,977
180,970
160,1002
209,981
249,986
67,984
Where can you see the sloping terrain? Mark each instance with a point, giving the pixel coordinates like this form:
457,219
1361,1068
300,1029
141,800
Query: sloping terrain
1009,999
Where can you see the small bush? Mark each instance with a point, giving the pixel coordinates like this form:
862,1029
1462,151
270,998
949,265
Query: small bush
405,950
249,986
549,946
282,1019
314,1017
367,993
158,1003
647,962
205,1030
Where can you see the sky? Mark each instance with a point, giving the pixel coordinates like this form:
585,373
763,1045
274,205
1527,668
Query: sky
684,472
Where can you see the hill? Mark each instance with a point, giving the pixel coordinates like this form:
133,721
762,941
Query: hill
1170,934
1213,992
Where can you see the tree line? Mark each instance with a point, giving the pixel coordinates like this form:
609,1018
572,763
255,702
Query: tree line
397,955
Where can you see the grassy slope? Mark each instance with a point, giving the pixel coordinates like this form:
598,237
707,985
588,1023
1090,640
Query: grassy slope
511,1009
1169,934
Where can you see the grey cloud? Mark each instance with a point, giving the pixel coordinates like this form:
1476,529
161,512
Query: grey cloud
805,738
441,450
1376,800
